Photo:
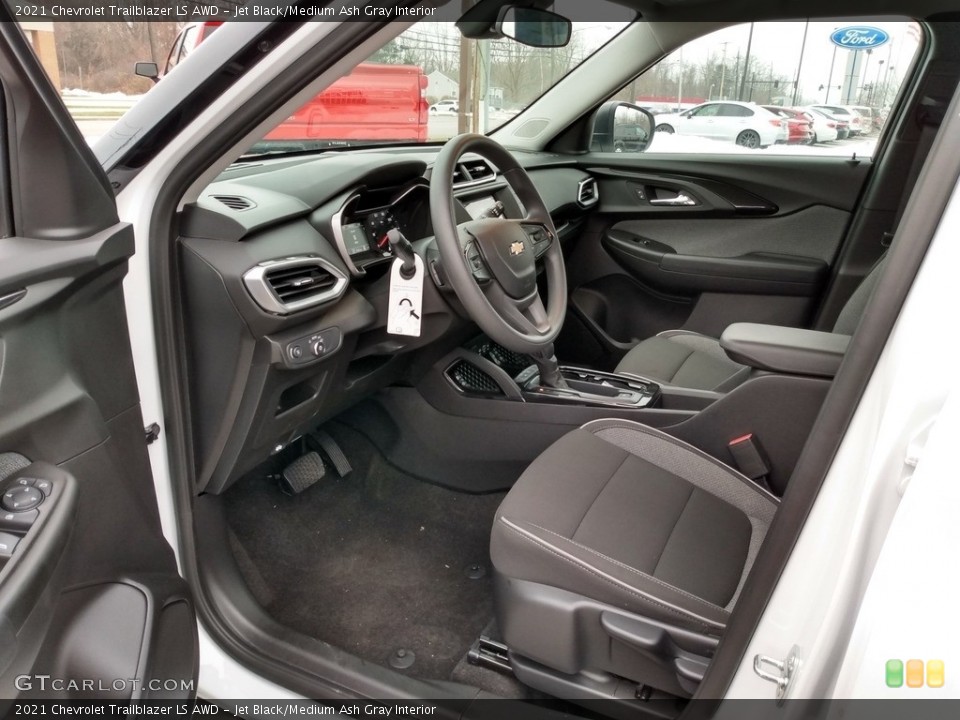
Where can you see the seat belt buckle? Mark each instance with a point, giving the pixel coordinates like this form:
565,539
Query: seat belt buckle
750,459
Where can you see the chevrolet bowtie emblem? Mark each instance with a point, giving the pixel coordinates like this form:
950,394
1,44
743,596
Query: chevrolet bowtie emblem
516,248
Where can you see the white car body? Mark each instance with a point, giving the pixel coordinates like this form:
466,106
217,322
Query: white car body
845,113
727,120
445,106
824,125
866,116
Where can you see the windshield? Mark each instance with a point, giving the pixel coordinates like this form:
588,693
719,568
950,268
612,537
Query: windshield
429,84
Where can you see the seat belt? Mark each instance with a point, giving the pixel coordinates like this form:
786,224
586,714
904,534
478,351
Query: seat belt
928,133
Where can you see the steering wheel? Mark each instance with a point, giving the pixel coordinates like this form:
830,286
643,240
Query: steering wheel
491,263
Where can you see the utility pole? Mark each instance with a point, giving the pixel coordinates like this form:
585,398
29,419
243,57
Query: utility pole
485,45
723,68
680,85
746,65
464,95
803,47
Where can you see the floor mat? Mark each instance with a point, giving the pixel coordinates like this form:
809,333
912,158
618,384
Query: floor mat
373,562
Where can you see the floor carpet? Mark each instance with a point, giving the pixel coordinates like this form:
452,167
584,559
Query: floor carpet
371,563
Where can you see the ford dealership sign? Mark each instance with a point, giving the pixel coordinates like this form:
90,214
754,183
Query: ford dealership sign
859,37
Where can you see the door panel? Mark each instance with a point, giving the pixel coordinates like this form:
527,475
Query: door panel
751,240
88,585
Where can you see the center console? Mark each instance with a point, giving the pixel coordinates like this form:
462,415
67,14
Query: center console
590,387
496,371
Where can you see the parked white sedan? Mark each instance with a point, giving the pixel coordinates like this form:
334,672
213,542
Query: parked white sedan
745,124
825,126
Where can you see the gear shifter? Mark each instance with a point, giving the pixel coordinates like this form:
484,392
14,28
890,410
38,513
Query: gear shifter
546,361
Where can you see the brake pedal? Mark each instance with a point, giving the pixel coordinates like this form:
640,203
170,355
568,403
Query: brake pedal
333,452
490,654
302,473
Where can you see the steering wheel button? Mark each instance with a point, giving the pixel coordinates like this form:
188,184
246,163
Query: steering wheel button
20,499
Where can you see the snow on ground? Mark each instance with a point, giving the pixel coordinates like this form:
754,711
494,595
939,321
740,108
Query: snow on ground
674,143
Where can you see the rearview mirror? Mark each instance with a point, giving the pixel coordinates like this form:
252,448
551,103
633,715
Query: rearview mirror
534,27
621,127
148,70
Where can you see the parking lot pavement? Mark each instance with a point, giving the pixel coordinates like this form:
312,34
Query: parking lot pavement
673,143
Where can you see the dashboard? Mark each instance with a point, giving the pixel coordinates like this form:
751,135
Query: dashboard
284,277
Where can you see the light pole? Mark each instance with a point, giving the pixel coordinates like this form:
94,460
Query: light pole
723,68
830,76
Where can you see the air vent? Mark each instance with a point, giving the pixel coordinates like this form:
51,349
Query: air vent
588,193
291,284
235,202
473,172
472,380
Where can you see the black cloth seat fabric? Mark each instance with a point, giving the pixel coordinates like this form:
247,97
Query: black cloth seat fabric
625,515
684,359
690,360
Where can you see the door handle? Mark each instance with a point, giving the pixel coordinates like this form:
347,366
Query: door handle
680,200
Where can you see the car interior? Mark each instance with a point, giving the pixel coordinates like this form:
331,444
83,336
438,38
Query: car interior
526,415
539,414
559,485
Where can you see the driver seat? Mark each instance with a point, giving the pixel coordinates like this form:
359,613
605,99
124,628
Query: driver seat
619,554
691,360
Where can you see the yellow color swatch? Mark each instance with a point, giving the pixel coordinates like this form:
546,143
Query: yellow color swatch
935,673
914,673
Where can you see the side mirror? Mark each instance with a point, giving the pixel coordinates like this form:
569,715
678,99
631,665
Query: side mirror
534,27
621,127
148,70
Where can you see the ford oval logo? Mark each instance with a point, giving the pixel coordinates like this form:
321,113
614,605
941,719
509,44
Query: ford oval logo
859,37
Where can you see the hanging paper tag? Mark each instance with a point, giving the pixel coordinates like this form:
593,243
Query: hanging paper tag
406,300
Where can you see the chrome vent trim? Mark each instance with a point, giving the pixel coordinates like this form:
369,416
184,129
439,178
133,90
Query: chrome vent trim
588,193
470,173
235,202
287,285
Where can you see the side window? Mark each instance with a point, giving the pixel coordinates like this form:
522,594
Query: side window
731,110
850,72
189,40
174,57
706,111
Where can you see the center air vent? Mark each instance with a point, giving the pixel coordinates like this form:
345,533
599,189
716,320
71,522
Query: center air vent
588,193
295,283
235,202
473,172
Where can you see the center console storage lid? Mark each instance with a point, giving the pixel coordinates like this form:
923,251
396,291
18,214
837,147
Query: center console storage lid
785,350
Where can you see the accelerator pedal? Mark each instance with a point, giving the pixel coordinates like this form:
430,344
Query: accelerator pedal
302,473
333,452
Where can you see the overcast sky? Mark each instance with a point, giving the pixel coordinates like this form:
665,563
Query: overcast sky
780,44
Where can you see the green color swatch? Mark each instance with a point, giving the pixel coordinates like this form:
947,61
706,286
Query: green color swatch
894,673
